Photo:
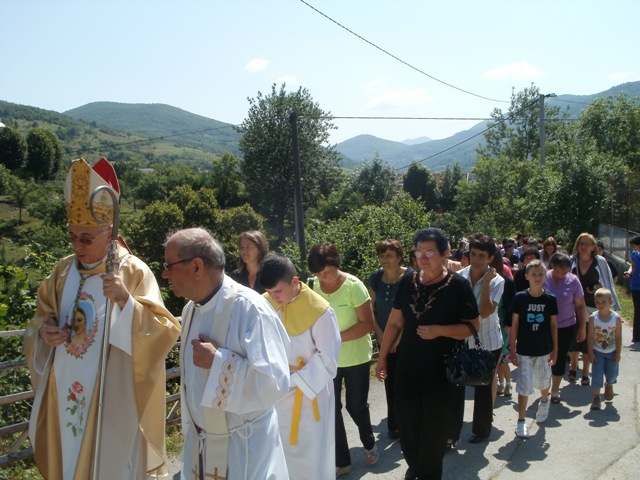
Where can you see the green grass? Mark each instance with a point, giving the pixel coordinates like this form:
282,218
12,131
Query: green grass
626,303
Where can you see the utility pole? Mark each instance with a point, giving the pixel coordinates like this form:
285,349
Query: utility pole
299,210
543,135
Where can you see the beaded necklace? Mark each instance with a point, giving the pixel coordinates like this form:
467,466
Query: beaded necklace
419,306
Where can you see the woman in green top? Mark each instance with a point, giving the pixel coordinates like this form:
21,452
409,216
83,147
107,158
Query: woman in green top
350,299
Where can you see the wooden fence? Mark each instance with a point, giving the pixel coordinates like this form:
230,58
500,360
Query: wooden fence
17,450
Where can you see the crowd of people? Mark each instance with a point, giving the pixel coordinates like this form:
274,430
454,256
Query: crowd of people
266,357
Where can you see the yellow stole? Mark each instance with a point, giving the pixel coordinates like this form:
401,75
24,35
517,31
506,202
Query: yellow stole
299,315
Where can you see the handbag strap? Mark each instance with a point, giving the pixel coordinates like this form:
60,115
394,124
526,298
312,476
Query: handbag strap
474,332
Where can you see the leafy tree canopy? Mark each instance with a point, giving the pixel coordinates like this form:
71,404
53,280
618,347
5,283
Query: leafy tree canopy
268,168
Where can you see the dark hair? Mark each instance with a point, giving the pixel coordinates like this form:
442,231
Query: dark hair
635,240
497,262
389,244
323,255
276,268
528,253
258,238
432,235
483,242
509,243
560,259
599,243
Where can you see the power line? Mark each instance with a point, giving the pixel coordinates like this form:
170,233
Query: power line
400,60
450,148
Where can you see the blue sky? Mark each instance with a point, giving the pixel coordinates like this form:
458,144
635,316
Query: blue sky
208,56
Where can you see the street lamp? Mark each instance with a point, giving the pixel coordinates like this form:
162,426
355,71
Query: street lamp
542,132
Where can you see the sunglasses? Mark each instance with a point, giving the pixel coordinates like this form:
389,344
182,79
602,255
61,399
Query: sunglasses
85,240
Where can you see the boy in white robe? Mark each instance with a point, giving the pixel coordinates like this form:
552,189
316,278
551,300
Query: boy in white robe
306,414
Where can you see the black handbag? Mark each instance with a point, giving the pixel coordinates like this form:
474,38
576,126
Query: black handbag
470,366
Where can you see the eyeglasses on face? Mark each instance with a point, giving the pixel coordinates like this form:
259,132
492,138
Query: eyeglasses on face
85,240
425,254
168,266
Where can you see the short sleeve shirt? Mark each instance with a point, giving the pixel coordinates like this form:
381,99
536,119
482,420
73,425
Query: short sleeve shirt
566,290
351,294
447,302
534,323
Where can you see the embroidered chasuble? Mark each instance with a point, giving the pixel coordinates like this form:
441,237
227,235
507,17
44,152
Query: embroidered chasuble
63,420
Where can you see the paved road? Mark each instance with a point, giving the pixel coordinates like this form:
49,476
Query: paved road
574,443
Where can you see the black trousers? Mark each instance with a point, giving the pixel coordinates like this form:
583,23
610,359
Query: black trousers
425,411
565,336
356,389
389,390
483,405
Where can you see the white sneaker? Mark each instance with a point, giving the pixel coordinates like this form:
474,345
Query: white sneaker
543,411
522,430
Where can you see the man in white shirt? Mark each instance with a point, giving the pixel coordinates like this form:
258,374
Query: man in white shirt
487,287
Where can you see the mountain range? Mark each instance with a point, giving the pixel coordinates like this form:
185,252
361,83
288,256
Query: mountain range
156,132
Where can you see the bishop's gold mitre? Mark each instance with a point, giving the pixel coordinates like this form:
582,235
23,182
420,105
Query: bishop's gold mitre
81,182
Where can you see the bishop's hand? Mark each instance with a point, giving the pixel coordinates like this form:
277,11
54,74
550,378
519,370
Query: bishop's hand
204,351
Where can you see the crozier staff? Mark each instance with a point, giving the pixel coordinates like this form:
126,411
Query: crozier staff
65,374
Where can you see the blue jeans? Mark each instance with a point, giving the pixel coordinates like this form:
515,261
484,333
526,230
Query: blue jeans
604,367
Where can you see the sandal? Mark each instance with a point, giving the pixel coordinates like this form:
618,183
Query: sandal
555,399
371,456
585,381
572,375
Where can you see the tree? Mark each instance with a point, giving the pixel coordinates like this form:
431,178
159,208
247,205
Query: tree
226,180
20,194
420,184
267,166
613,125
568,195
493,202
447,187
13,148
376,181
44,154
516,135
357,233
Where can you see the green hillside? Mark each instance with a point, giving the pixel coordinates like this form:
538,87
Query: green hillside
93,140
179,127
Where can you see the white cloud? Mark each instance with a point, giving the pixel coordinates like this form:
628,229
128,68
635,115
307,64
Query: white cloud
620,76
384,97
516,71
256,65
288,79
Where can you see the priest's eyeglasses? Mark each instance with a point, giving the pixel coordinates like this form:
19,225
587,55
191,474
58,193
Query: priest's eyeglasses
168,266
84,239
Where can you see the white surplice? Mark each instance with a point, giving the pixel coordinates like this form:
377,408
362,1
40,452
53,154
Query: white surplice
257,346
313,456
